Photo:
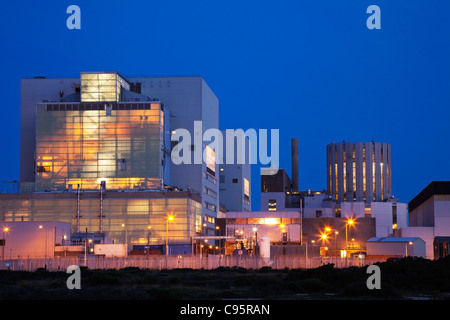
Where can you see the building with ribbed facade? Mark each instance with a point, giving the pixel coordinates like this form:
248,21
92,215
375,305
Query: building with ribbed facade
359,172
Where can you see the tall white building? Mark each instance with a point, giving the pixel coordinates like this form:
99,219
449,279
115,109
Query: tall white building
189,101
429,218
235,172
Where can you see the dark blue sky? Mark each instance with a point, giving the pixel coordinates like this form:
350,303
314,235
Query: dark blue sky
311,69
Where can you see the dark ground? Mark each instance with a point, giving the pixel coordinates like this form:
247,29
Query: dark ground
407,278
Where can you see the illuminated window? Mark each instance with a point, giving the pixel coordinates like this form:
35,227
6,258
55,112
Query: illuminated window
210,206
85,146
210,160
272,205
246,187
102,86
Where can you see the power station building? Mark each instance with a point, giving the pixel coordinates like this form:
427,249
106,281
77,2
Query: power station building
359,190
359,172
96,152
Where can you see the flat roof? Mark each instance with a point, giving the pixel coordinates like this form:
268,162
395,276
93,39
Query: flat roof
394,239
435,187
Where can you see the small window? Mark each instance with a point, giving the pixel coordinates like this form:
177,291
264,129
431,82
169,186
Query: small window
318,213
272,205
123,164
235,181
222,178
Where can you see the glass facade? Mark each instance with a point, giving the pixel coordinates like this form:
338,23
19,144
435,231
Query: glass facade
97,87
123,218
85,144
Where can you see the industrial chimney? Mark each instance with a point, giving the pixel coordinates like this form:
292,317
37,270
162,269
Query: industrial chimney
294,150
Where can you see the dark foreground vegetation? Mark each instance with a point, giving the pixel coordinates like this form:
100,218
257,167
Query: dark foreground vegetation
403,279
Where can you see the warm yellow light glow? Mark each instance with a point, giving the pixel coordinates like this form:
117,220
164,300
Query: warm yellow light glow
282,225
6,229
350,221
170,218
271,221
40,227
328,229
410,242
324,236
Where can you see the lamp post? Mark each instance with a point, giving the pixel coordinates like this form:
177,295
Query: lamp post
335,241
148,240
255,233
45,244
349,222
406,247
169,218
5,230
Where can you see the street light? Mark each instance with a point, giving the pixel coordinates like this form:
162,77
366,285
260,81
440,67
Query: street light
5,230
349,222
255,230
148,240
406,247
324,236
45,246
169,218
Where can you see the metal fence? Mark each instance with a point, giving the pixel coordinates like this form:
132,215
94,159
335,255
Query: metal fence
189,262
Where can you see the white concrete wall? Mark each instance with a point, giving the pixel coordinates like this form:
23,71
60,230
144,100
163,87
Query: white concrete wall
232,194
352,209
280,197
33,91
423,215
442,215
311,212
425,233
189,99
382,212
402,215
417,249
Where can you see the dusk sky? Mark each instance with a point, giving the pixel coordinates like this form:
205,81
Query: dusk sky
311,69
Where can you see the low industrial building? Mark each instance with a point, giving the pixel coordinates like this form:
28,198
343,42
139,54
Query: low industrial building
33,239
396,247
429,218
132,218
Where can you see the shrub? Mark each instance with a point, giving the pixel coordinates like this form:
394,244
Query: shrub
312,284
